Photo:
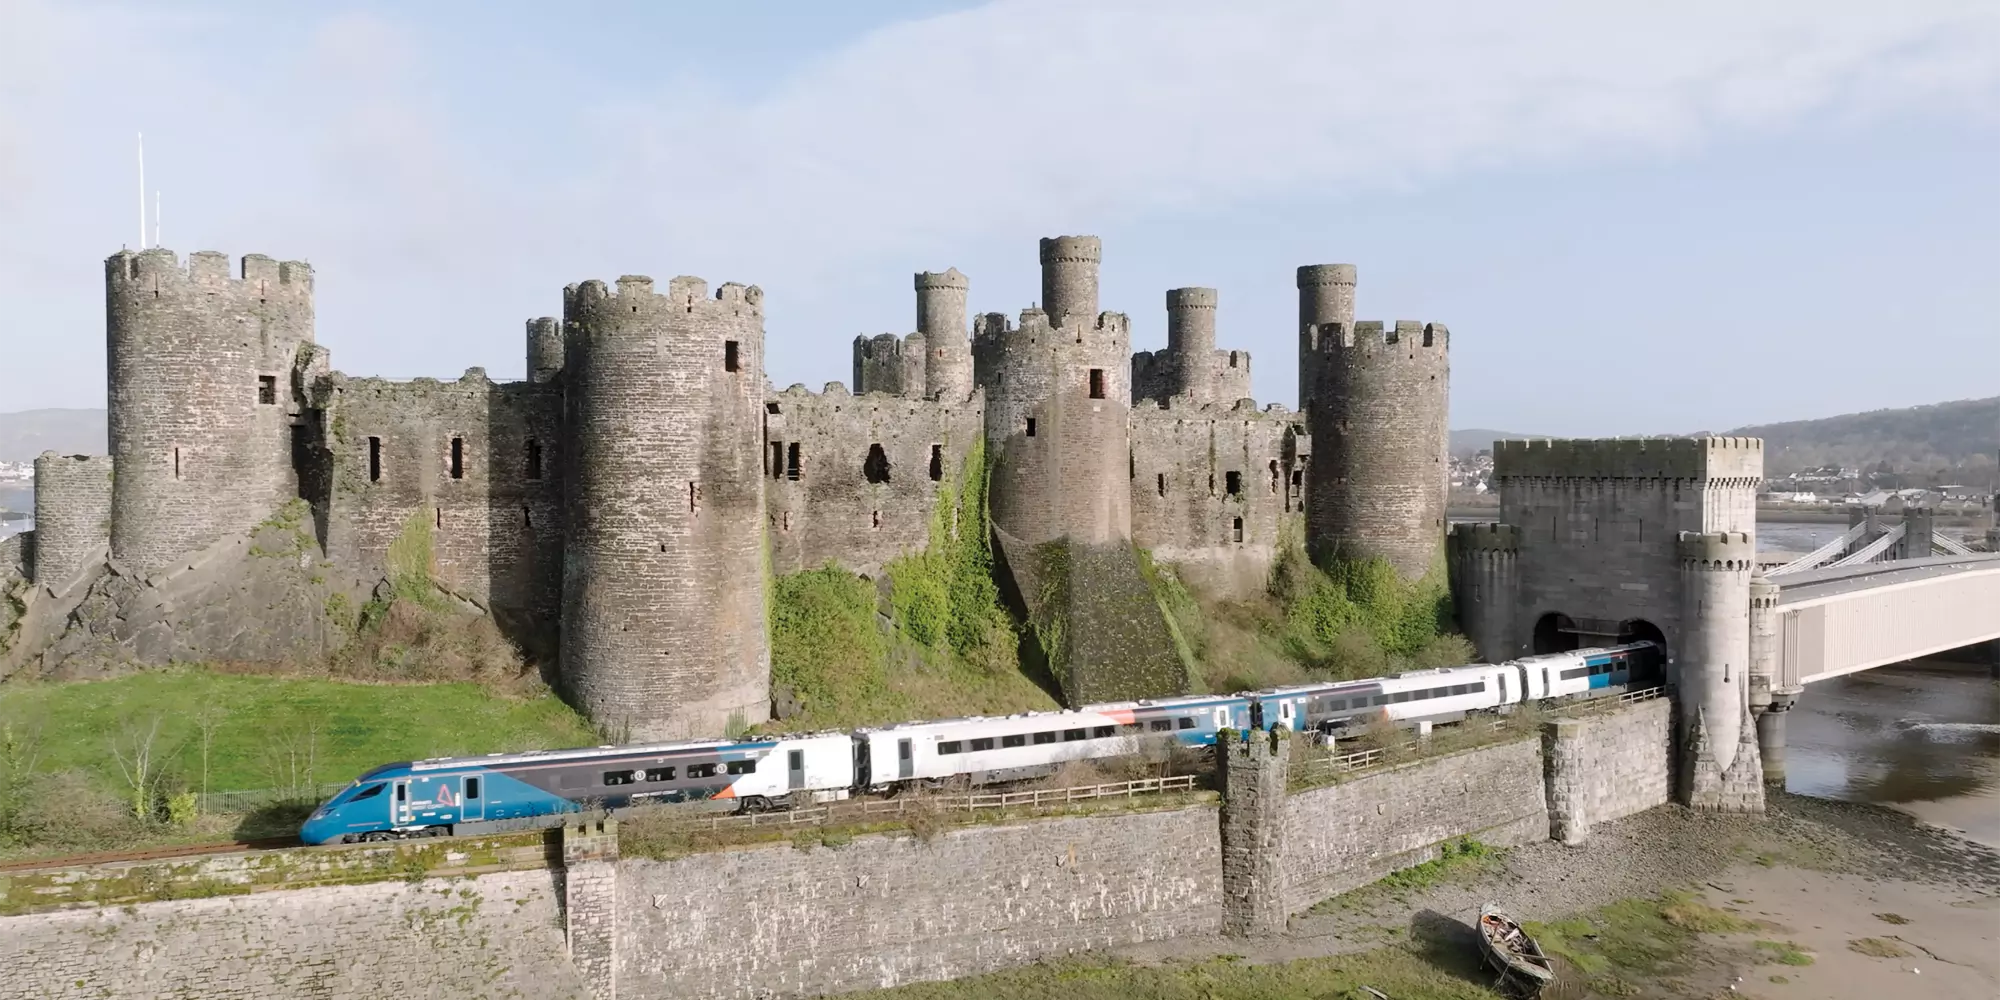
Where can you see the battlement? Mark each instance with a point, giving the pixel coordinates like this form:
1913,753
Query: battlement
1403,333
990,330
1486,536
884,346
1631,458
1321,275
1191,298
685,295
1188,408
158,268
1072,250
949,278
1723,550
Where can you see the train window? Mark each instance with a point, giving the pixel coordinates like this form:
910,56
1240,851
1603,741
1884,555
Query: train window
950,747
1479,688
1381,699
617,778
659,774
1574,673
1103,732
1014,740
1184,723
1336,704
472,788
1161,725
402,792
1072,735
1131,728
370,792
701,770
983,743
1041,738
742,767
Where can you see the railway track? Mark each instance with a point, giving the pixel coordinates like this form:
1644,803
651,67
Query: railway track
150,854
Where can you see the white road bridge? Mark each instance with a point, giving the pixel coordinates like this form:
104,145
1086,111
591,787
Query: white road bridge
1853,616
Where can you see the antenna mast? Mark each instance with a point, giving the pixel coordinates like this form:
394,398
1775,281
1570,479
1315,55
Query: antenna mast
142,190
156,217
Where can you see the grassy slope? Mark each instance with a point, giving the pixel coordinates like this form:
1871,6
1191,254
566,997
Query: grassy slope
359,725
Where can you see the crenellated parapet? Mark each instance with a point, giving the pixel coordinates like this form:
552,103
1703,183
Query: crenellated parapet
545,349
890,364
1733,461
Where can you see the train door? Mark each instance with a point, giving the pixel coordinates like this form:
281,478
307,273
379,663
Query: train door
795,770
1287,714
905,761
399,807
1221,717
472,800
1504,698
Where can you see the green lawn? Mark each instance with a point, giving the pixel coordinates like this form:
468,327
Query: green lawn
268,723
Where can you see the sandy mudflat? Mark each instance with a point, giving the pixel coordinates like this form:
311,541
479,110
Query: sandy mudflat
1952,938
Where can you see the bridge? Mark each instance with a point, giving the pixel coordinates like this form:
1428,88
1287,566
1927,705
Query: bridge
1614,540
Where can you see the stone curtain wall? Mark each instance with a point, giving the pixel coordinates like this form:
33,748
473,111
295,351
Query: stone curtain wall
1607,767
1183,459
1344,836
781,922
496,935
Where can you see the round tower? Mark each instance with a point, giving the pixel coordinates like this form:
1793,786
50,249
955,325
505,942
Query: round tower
1191,341
1379,426
941,320
663,624
1069,279
1486,577
545,349
1713,670
1326,297
72,516
201,397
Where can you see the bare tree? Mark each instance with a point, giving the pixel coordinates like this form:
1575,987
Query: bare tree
206,722
291,759
136,748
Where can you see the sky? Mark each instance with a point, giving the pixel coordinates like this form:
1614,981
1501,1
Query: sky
1654,218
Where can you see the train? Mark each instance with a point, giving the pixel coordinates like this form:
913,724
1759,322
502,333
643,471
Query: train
502,791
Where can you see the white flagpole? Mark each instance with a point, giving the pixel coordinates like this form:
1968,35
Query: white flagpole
142,190
156,218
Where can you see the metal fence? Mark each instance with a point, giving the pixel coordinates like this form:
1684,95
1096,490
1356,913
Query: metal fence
1321,765
248,800
864,810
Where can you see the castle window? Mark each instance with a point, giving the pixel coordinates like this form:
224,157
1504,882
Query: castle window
1031,426
1232,359
1236,528
1232,482
937,463
1097,383
1163,484
771,408
776,465
792,461
1274,476
374,460
1298,477
267,389
729,360
527,517
439,522
177,463
875,468
875,519
694,497
458,458
534,459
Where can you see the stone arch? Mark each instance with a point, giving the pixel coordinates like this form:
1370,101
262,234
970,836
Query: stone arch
1641,630
1554,633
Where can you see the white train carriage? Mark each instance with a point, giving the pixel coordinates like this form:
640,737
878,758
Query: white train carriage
795,771
1446,694
989,750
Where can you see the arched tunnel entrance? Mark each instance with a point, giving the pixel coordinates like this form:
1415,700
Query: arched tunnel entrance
1555,633
1641,630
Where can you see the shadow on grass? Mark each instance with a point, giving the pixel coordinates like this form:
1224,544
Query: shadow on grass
273,821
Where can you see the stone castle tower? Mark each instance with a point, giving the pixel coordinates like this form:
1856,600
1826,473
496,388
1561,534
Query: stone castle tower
618,508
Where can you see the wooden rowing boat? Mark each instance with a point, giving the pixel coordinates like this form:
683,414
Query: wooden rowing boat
1511,951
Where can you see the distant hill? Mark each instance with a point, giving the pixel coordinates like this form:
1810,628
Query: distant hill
28,433
1958,440
1469,442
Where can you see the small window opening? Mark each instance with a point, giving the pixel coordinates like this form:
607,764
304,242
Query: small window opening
440,516
1097,383
1232,482
1298,477
1232,359
694,497
534,459
267,389
177,463
527,517
458,458
374,460
876,468
1274,476
1162,484
875,519
729,359
775,466
792,461
937,462
1236,528
1031,426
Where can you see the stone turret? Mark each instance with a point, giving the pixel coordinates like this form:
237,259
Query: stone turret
72,516
1326,303
663,623
1069,279
941,321
1721,768
202,397
545,349
1379,417
1485,579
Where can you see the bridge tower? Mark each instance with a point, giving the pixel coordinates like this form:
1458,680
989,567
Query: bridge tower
1620,540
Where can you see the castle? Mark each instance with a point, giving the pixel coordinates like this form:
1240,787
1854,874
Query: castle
635,493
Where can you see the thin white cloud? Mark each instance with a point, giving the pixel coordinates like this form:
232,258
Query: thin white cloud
333,141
